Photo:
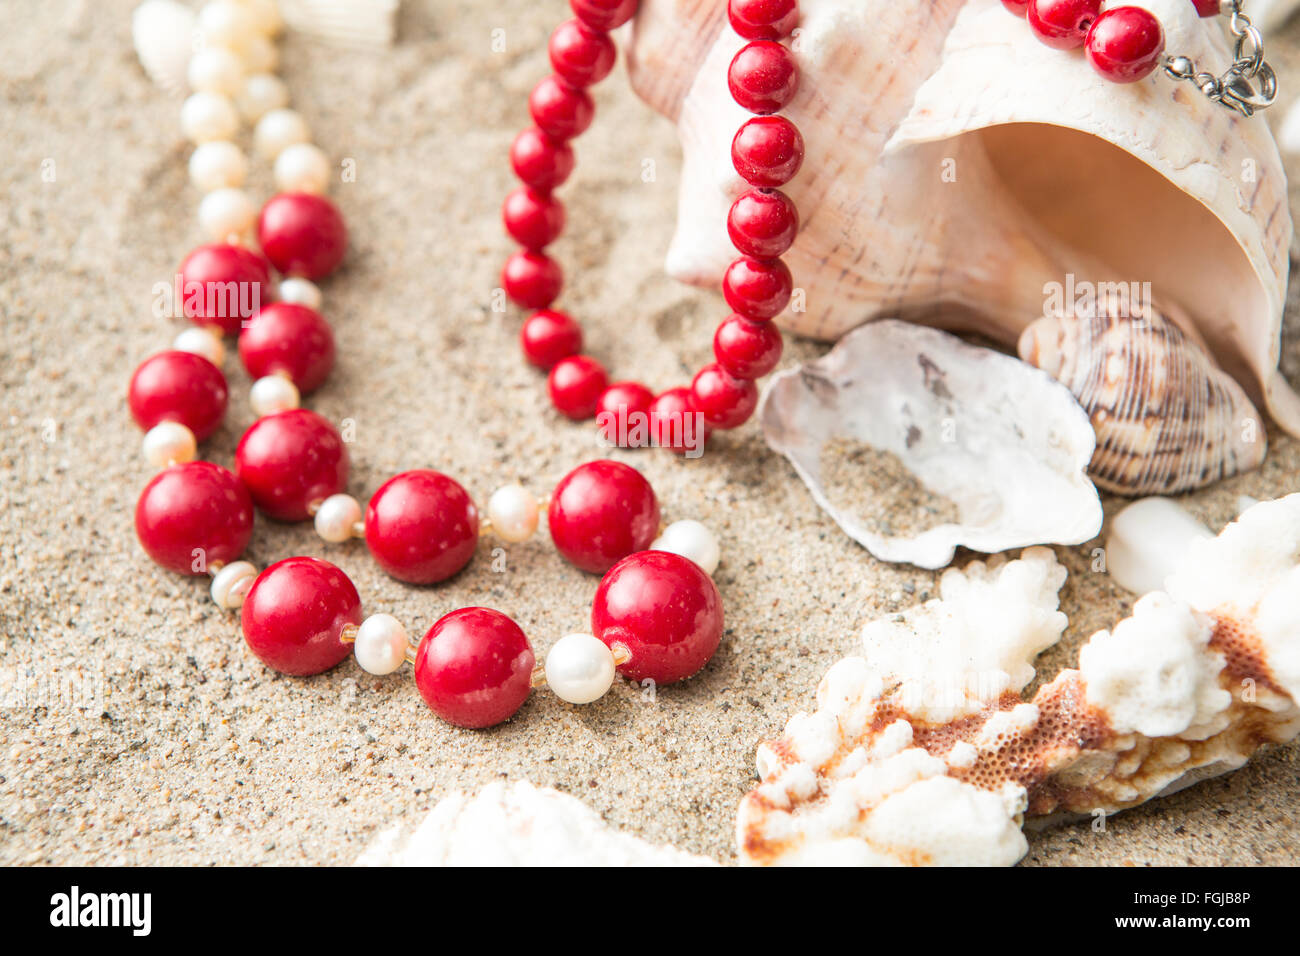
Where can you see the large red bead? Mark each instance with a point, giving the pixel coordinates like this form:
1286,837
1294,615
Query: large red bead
757,288
532,218
178,387
767,151
1125,44
724,401
664,609
600,512
560,111
763,19
747,349
474,667
763,76
224,285
192,516
295,613
580,55
291,339
623,414
548,336
421,526
676,424
540,161
604,14
289,460
763,223
302,234
532,279
1062,24
575,385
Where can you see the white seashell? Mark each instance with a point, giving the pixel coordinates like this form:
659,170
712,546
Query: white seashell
1267,14
517,824
163,34
1001,441
361,23
1147,540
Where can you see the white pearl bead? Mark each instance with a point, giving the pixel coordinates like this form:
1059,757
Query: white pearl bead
580,668
262,93
300,292
226,213
278,130
336,517
208,116
302,168
219,164
273,393
513,512
266,16
226,23
381,644
260,54
201,341
691,540
169,443
231,584
216,69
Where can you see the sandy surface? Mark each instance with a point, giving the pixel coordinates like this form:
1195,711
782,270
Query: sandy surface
144,732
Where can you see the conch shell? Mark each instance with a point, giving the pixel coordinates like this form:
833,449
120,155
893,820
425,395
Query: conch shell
957,169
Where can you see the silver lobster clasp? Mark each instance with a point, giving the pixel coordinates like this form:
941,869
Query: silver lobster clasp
1246,96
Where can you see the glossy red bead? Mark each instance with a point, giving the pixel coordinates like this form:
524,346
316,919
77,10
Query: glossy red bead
302,234
532,218
601,512
289,460
1207,8
295,613
291,339
548,336
746,349
1018,7
724,401
575,384
474,667
767,151
1125,44
540,161
1062,24
180,387
763,19
664,609
762,223
560,111
676,424
224,285
757,288
603,14
532,279
623,414
192,516
580,55
763,76
421,526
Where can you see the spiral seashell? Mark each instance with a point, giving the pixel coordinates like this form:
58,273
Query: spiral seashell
163,34
1167,418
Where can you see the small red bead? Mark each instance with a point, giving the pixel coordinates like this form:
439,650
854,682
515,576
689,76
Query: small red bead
1207,8
676,424
763,76
1018,7
289,460
763,19
580,55
532,218
747,349
724,401
763,223
295,613
623,414
575,384
539,160
291,339
1125,44
601,512
302,234
421,526
757,288
474,667
1062,24
178,387
560,111
223,285
532,279
604,14
664,609
767,151
192,516
548,336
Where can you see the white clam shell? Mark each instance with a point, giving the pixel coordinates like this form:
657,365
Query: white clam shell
1003,441
163,34
370,24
